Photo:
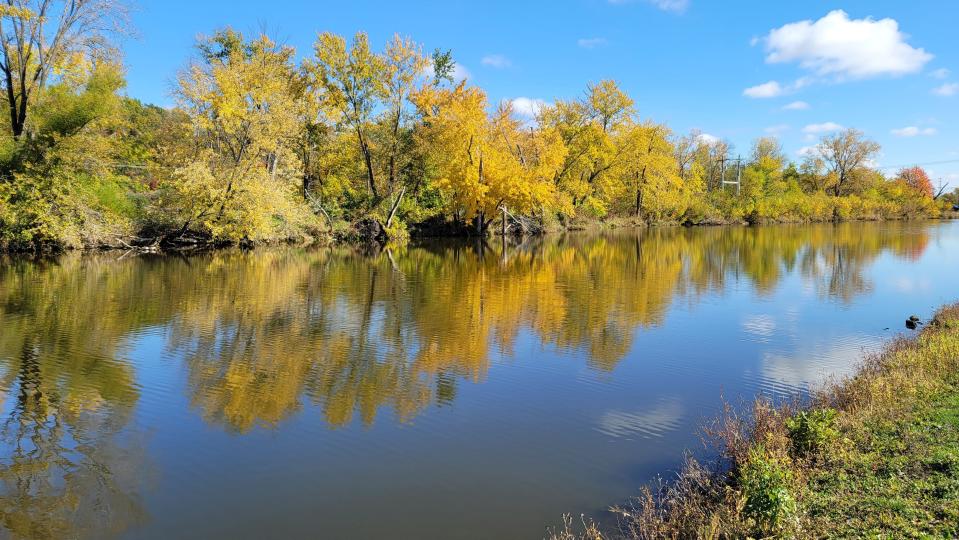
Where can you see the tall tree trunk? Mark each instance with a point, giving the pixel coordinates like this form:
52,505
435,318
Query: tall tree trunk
307,183
396,131
370,177
274,163
639,193
16,127
392,179
840,180
22,113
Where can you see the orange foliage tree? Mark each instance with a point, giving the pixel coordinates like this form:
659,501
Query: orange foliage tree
917,179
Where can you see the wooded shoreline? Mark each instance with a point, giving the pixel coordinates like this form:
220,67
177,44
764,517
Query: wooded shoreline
351,142
445,230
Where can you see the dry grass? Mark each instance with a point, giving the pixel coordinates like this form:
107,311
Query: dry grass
880,457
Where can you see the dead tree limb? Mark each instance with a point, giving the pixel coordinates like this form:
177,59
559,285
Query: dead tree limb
396,205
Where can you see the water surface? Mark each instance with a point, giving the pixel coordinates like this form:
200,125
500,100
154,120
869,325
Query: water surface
441,390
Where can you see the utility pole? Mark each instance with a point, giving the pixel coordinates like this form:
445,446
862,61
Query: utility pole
722,171
739,173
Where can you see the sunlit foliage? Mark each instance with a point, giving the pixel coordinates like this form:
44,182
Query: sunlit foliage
242,180
917,179
266,146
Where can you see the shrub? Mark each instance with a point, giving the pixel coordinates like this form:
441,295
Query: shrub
765,480
810,431
398,232
700,212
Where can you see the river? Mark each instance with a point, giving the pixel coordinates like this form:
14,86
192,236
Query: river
444,389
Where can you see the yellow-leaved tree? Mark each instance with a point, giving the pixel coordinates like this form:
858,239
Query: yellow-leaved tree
651,173
243,179
404,66
366,95
480,161
590,129
763,176
350,80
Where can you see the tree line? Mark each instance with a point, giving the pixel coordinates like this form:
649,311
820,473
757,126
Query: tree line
354,140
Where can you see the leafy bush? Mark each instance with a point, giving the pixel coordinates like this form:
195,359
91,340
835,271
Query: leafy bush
700,212
765,482
810,431
397,232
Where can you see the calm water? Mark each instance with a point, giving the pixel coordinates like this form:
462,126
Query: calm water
440,390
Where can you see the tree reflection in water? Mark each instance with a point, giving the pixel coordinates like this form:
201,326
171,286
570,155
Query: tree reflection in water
263,334
70,467
359,333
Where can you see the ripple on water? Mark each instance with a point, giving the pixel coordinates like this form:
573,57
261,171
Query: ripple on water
653,423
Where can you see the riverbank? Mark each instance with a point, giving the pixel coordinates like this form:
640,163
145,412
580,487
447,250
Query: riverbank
368,232
876,454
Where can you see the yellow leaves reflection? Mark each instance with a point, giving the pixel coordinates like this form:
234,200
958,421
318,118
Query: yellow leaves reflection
263,333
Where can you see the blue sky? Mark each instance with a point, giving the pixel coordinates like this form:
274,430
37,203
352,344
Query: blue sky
729,69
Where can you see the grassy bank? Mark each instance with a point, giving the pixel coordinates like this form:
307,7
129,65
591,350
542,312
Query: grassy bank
874,455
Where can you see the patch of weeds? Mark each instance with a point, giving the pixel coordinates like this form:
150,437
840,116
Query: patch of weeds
765,482
811,431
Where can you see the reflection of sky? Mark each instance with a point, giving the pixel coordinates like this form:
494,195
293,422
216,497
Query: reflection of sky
647,423
763,326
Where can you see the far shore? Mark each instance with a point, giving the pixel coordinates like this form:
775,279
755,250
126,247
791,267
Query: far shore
168,243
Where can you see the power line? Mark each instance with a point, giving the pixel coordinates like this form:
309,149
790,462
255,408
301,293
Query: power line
920,164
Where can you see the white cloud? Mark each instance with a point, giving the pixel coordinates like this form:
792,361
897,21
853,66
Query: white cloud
948,89
497,61
845,48
459,72
774,89
796,106
675,6
765,90
913,131
825,127
591,43
708,139
940,73
806,151
777,129
527,107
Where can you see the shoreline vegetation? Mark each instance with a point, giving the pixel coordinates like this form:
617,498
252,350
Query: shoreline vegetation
875,454
352,143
